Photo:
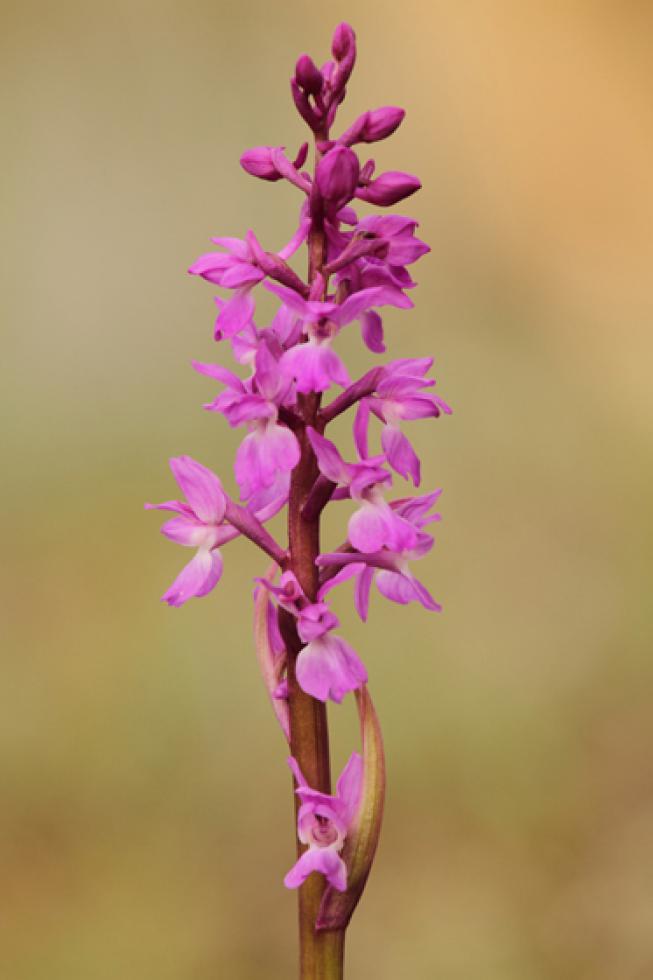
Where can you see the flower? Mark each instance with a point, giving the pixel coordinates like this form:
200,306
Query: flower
327,667
313,365
270,449
323,822
391,569
199,525
375,524
399,396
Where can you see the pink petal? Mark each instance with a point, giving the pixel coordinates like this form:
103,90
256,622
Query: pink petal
202,488
362,592
219,373
290,298
329,460
197,578
367,530
190,532
315,367
372,332
322,859
235,315
329,668
401,455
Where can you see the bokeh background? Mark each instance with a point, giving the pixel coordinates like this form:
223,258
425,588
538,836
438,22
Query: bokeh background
145,812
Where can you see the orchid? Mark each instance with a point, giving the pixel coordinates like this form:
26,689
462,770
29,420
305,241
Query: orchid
322,824
289,384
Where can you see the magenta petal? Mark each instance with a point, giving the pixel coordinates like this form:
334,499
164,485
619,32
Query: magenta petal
290,298
360,428
329,460
362,592
367,529
219,373
191,532
346,572
202,488
329,668
235,315
315,367
372,332
322,859
401,455
262,454
241,274
197,578
404,589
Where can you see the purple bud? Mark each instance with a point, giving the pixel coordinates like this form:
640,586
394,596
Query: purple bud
308,75
337,176
389,188
344,51
300,159
377,124
343,40
258,163
366,171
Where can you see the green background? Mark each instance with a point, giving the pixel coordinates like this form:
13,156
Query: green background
145,810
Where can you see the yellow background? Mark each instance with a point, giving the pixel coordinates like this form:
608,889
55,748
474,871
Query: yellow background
145,813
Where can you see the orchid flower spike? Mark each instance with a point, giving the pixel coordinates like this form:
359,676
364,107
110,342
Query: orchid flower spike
323,822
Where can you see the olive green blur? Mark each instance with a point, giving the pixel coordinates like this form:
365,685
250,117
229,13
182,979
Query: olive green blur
145,804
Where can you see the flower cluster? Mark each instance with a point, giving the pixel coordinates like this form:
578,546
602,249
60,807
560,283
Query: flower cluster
290,383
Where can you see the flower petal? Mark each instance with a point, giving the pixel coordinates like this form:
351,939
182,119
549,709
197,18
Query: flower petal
329,668
202,488
197,578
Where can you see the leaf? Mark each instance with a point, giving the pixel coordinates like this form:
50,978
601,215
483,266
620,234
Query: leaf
271,664
336,908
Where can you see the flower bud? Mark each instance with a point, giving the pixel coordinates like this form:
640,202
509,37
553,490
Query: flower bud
389,188
337,176
343,40
308,75
377,124
258,162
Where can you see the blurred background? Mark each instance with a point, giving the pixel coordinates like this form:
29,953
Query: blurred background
145,806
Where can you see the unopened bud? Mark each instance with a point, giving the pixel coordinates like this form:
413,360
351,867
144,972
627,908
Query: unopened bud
377,124
258,162
337,176
308,75
389,188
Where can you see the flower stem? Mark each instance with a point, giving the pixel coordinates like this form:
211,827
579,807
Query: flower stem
320,953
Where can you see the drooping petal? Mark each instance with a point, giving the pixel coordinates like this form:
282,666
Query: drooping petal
202,488
326,861
262,454
197,578
314,366
362,592
328,668
235,315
